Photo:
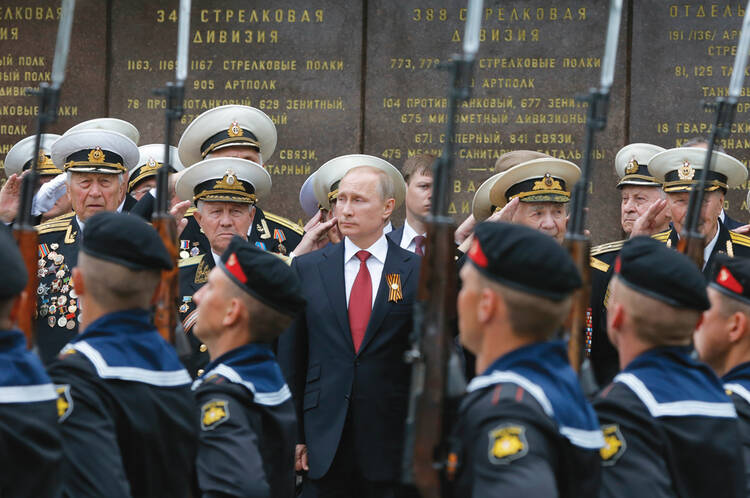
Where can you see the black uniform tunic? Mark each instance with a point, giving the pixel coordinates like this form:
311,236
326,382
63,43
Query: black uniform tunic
526,430
130,427
737,386
248,426
30,445
670,430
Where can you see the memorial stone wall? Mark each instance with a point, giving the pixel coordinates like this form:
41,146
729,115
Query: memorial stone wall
346,77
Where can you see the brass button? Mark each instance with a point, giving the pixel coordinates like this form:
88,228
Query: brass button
203,348
200,372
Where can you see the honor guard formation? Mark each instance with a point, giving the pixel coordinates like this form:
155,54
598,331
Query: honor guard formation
164,334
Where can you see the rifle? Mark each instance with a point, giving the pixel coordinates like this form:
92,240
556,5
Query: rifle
165,305
48,95
691,241
576,240
436,372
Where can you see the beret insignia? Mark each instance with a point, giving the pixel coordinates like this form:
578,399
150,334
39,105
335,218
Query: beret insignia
507,443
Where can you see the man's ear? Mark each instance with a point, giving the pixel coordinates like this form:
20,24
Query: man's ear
78,284
738,325
489,305
233,312
388,208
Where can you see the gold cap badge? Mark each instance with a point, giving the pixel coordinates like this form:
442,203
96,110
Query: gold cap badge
547,183
686,171
96,155
235,130
632,167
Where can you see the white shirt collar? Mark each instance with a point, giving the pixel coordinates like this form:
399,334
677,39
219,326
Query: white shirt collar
80,226
217,258
710,247
388,227
379,250
722,216
409,234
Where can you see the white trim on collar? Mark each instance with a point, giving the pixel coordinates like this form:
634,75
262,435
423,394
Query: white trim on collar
162,379
27,394
268,399
686,408
739,390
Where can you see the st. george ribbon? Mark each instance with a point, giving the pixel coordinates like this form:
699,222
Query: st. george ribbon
165,307
691,240
576,240
48,96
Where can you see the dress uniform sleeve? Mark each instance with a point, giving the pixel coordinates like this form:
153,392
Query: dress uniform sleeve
632,459
92,465
292,358
512,456
229,461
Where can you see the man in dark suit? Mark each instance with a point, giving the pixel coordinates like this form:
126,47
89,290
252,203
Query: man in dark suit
343,357
417,172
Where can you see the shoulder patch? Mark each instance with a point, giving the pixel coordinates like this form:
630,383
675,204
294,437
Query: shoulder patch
193,260
662,236
507,443
214,413
614,445
598,264
64,401
608,247
738,238
285,222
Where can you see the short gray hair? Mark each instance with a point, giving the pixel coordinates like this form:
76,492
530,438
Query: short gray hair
120,176
386,188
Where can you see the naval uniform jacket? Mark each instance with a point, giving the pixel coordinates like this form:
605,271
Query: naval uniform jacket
30,444
670,430
331,382
737,386
129,428
193,273
248,426
525,429
56,322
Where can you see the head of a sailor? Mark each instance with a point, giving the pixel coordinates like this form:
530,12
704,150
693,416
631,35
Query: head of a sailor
251,297
14,279
516,290
119,265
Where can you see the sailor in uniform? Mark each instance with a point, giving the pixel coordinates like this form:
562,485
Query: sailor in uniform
96,163
129,428
224,191
639,190
246,133
143,177
723,338
248,425
524,427
670,429
30,443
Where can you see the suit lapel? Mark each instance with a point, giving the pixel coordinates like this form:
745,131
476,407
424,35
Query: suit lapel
332,277
394,263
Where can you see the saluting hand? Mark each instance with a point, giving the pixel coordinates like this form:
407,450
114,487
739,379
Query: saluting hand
10,197
316,235
649,222
178,213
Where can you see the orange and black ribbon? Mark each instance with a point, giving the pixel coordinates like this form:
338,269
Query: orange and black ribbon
394,287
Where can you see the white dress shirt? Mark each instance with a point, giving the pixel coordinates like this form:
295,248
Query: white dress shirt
710,247
407,238
378,251
217,258
388,227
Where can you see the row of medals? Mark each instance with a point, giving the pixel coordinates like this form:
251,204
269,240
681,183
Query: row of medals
66,303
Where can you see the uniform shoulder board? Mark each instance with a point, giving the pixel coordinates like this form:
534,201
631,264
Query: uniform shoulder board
598,264
738,238
193,260
662,236
57,224
608,247
287,223
189,212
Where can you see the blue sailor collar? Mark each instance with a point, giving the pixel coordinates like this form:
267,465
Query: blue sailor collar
22,377
737,380
542,369
254,367
125,345
672,384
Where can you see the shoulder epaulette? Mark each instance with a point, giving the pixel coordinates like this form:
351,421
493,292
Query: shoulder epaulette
738,238
662,236
57,224
284,222
189,212
598,264
193,260
608,247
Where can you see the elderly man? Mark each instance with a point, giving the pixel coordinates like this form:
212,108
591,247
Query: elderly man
343,358
224,191
248,425
97,163
664,408
128,418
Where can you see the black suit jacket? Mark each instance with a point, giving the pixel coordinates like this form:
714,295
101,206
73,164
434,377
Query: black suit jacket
396,235
330,382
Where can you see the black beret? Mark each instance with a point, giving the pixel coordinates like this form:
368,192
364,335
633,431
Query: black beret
126,240
524,259
649,267
731,276
14,271
264,276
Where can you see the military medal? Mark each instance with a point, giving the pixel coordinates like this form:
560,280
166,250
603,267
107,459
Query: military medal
42,289
70,325
62,321
194,251
52,309
43,310
51,321
62,300
42,272
51,256
42,263
73,294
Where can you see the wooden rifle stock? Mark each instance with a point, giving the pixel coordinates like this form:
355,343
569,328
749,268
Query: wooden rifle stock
28,244
579,249
691,245
165,299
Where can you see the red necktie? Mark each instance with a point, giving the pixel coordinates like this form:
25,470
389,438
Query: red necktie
360,301
419,245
